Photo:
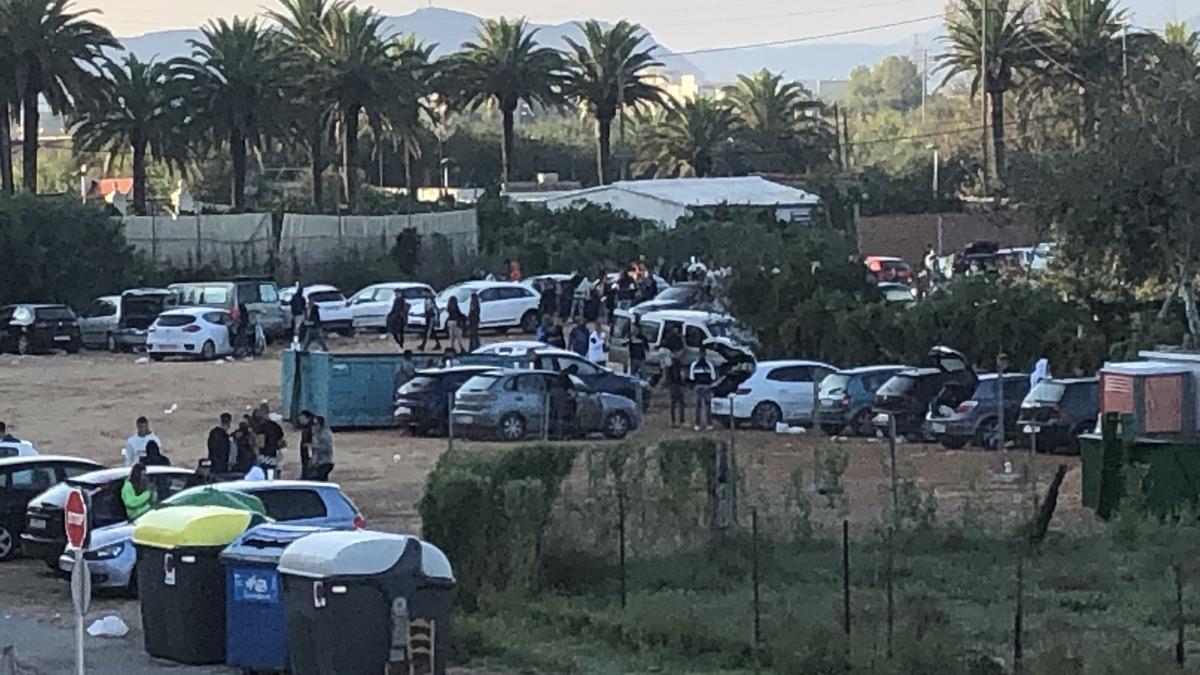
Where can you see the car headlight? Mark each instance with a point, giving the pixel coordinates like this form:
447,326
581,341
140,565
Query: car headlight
106,552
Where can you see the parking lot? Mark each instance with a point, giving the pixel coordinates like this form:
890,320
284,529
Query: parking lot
85,405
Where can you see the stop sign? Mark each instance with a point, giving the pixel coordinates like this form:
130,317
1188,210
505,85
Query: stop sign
75,519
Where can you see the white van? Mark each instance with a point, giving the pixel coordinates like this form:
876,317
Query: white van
695,327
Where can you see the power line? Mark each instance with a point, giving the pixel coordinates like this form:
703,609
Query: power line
806,38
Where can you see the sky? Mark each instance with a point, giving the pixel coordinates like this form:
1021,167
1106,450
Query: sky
679,24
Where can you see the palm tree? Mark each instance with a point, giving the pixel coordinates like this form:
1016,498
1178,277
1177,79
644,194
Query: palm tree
687,138
234,79
1082,47
302,24
1012,50
608,73
8,95
56,53
776,118
354,66
505,65
415,82
141,110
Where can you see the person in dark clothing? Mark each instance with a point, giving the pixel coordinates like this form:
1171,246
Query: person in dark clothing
473,312
5,436
242,339
431,324
626,288
548,303
592,306
673,342
154,456
578,340
203,474
456,324
305,419
675,379
638,347
702,374
397,318
313,331
562,406
270,437
243,441
297,305
219,444
554,334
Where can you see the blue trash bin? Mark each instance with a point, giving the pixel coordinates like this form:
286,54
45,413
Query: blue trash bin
256,626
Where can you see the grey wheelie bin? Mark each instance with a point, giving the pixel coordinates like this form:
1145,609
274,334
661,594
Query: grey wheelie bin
356,601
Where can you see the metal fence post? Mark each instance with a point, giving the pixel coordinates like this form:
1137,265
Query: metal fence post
450,422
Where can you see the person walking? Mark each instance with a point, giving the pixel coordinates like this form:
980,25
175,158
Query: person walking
597,346
455,321
397,318
578,340
674,379
154,456
473,313
136,495
638,346
322,448
305,420
431,324
702,375
297,305
220,444
313,330
135,445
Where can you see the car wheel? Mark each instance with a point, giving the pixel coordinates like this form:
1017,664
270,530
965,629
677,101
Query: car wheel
8,543
616,426
831,429
512,427
863,424
986,435
346,332
529,322
765,416
23,346
111,342
157,357
209,351
954,442
74,347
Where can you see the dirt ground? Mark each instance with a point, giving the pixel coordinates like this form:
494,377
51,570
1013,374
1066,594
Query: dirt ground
85,405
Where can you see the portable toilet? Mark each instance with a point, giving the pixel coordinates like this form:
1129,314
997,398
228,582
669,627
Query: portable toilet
256,630
357,601
180,581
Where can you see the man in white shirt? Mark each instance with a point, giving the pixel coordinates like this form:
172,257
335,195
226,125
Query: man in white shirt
135,445
596,346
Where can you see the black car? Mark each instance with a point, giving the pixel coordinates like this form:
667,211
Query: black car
45,536
597,378
1061,410
31,329
909,393
24,478
423,403
684,295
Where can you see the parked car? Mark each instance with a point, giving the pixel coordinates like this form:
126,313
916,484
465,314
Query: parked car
511,404
31,329
502,304
260,295
337,316
23,478
597,378
695,327
372,304
17,449
515,348
44,535
1061,409
906,396
423,403
200,332
112,557
976,418
120,322
777,391
684,295
889,269
898,293
844,399
98,322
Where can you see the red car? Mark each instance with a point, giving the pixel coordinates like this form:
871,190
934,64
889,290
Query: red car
889,269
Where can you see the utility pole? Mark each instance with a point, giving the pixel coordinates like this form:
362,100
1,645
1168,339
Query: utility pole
983,83
621,108
924,82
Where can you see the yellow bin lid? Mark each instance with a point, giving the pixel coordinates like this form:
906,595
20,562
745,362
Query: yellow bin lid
180,526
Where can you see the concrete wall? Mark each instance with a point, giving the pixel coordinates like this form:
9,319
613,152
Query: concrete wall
320,240
241,243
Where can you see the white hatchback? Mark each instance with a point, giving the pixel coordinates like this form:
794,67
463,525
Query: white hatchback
778,391
190,331
336,313
502,304
372,304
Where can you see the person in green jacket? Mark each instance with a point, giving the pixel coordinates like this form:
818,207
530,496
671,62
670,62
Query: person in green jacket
136,494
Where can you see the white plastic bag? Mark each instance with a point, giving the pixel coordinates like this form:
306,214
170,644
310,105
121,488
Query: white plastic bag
109,626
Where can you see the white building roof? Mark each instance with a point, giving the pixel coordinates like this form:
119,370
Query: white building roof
705,192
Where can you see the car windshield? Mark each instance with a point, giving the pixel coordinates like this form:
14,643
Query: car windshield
898,385
54,313
480,383
1047,392
419,383
898,265
897,294
201,295
463,293
678,293
170,320
414,293
326,296
834,385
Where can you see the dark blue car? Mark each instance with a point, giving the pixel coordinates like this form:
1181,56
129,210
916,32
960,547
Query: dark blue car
597,378
844,399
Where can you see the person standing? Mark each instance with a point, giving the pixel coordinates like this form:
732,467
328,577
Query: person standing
246,451
135,445
5,436
313,330
638,348
322,447
702,376
406,370
431,324
514,271
580,293
455,320
554,334
298,305
626,288
397,318
135,493
220,444
578,340
305,420
154,456
597,346
473,314
674,380
270,439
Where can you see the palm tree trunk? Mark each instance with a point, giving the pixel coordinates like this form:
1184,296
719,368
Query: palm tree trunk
410,180
30,121
350,155
237,148
6,167
506,146
139,175
316,166
604,149
998,136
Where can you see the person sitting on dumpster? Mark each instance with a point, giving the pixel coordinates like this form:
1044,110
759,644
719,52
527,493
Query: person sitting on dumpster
136,494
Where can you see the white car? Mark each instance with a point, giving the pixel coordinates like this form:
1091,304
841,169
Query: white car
17,449
190,331
777,391
502,304
371,305
336,313
513,347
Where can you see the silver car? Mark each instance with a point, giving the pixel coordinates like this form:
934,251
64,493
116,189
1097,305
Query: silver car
513,404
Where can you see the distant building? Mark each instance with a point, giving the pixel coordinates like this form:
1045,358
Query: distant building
829,91
684,88
666,200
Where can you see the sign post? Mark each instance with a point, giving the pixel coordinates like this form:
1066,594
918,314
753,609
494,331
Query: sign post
76,523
